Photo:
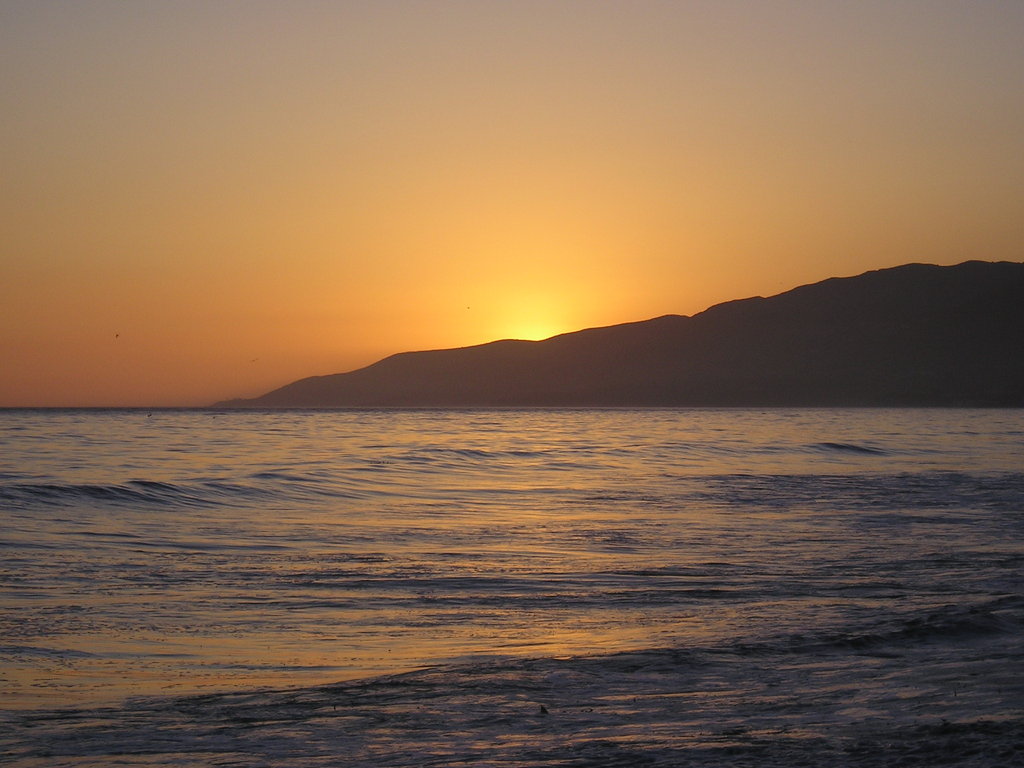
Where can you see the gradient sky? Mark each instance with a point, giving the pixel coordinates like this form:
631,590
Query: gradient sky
204,200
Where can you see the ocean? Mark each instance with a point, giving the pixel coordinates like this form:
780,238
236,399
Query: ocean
621,587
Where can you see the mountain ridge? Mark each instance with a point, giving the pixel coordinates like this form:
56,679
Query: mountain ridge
911,335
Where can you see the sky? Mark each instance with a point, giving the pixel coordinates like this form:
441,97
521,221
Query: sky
205,200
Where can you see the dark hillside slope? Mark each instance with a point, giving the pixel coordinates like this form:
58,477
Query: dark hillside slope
911,335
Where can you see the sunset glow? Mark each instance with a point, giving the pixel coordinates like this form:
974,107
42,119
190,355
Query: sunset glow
204,201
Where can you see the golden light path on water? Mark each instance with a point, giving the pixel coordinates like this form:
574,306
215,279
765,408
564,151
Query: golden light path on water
199,551
519,587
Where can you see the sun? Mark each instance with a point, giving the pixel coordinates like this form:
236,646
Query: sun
534,317
534,330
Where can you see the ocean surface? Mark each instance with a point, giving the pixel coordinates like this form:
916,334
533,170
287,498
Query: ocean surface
512,588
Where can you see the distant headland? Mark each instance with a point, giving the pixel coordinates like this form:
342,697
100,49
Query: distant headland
913,335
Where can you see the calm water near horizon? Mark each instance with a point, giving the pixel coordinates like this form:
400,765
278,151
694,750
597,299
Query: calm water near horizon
512,587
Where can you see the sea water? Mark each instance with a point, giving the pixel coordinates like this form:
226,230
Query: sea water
512,587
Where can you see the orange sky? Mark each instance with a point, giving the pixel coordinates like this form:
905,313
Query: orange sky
208,200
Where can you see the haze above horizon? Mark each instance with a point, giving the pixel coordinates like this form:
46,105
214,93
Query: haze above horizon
208,200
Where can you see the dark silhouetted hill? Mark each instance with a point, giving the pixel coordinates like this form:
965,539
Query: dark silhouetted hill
915,335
